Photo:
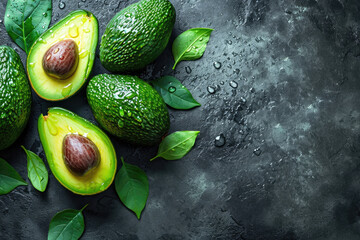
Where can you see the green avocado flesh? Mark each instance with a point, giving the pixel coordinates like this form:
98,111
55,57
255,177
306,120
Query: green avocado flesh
15,97
137,35
80,26
128,108
52,130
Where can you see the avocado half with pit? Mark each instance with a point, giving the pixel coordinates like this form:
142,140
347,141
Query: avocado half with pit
80,155
61,60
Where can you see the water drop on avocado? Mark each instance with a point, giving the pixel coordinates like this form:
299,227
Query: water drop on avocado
66,90
73,31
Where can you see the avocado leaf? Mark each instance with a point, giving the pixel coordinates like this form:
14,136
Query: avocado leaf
176,145
37,171
9,178
67,225
26,20
191,44
174,93
132,187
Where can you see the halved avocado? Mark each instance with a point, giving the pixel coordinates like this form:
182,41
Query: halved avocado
81,27
54,128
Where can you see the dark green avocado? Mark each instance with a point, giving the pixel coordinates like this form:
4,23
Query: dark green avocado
137,35
128,108
15,97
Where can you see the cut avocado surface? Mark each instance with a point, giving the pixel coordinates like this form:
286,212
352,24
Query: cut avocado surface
81,27
53,129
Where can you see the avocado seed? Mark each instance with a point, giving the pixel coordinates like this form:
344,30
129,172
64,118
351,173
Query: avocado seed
61,59
80,153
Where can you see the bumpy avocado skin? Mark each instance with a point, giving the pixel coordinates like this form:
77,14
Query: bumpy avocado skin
15,97
137,35
128,108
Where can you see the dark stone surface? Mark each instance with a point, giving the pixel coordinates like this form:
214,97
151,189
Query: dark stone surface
290,165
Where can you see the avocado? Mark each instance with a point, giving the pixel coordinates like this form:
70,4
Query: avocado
15,97
62,58
80,155
128,108
137,35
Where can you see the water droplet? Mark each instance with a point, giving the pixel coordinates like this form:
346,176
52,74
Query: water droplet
112,86
172,89
252,90
66,90
229,42
83,0
211,90
121,123
222,83
83,54
122,112
70,128
217,65
1,21
188,70
138,118
62,5
44,14
32,64
200,39
257,151
243,100
73,31
173,149
86,30
220,140
233,84
130,95
129,113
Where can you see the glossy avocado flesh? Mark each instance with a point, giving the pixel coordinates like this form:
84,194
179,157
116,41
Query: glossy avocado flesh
81,27
15,97
60,123
128,108
137,35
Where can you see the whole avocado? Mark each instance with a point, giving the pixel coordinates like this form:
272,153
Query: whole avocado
128,108
137,35
15,97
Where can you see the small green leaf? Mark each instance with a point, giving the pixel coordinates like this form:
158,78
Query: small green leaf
9,178
191,44
176,145
67,225
26,20
132,187
37,171
174,93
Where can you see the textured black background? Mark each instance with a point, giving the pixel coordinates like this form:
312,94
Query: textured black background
290,167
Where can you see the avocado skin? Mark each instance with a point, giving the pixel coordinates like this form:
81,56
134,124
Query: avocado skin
128,108
137,35
15,97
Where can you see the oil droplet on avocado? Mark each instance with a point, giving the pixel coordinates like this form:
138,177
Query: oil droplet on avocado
73,31
52,129
66,90
83,54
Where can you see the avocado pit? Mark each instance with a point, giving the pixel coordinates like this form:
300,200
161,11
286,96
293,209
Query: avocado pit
80,153
61,59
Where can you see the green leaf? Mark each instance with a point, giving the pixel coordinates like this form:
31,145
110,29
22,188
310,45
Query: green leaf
174,93
67,225
132,187
176,145
26,20
9,178
37,171
191,44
